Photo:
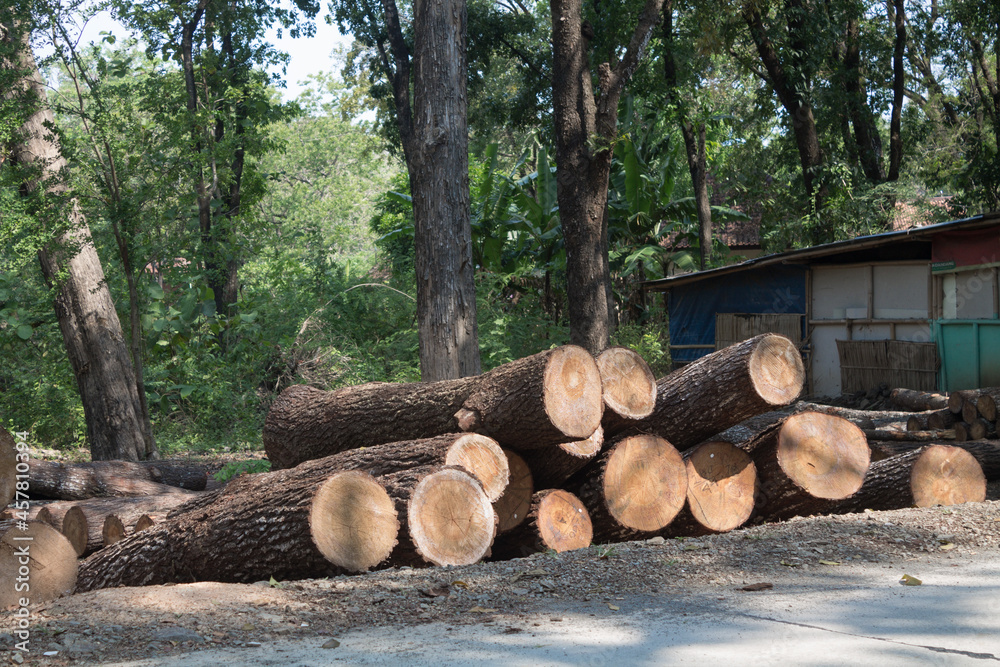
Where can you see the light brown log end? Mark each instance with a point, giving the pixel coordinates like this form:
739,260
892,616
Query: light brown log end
113,530
8,467
52,563
44,515
484,458
468,419
987,406
826,456
628,384
353,521
76,530
645,483
512,507
144,522
563,522
720,485
573,399
970,413
451,521
585,449
945,475
776,370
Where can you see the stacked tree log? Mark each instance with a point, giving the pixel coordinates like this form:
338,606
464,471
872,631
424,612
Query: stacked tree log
975,413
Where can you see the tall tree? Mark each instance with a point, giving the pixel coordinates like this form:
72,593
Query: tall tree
434,138
86,313
585,128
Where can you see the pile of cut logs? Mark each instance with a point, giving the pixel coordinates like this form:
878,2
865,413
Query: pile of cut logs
550,452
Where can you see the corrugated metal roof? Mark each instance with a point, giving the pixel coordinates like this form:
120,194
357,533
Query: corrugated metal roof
803,254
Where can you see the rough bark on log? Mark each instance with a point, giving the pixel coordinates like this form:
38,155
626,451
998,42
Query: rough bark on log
305,423
986,453
722,389
915,423
963,432
927,476
918,401
512,507
552,466
970,413
96,479
721,484
445,517
51,563
628,385
557,521
634,489
958,399
258,526
940,420
8,467
804,460
540,401
909,436
177,474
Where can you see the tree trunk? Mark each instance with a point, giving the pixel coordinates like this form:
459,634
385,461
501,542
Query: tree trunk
918,401
290,524
628,387
445,517
97,479
724,388
8,467
986,453
933,475
634,489
512,507
446,294
552,466
866,134
48,557
86,313
721,480
804,460
557,521
898,88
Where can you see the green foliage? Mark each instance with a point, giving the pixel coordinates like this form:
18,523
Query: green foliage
237,468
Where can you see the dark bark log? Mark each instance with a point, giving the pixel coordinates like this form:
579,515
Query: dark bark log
557,521
628,386
898,88
915,423
970,413
932,475
909,436
51,563
634,489
552,466
86,313
957,399
445,518
298,523
8,467
918,401
540,401
724,388
97,479
940,420
804,460
512,507
446,292
986,453
721,484
987,401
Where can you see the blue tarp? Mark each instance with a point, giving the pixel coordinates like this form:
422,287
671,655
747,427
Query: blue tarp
692,307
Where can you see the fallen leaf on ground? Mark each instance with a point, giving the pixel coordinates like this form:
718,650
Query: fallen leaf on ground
331,643
762,586
907,580
480,610
613,607
829,562
947,547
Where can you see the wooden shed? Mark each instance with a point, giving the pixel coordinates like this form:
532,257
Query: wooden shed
916,308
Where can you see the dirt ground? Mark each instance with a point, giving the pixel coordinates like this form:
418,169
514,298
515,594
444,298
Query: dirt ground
161,621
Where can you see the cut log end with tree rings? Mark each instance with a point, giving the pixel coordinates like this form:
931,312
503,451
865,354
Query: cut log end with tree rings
512,507
563,522
450,519
484,458
825,455
353,521
945,475
645,483
573,396
628,384
76,529
113,530
144,522
721,479
776,370
52,563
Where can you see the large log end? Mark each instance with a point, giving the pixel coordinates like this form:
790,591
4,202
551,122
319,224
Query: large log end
563,522
484,458
827,456
52,563
945,475
450,518
645,483
721,479
776,370
512,507
353,521
574,399
627,382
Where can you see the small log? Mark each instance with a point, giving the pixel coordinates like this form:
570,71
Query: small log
512,507
552,466
916,423
806,459
722,389
963,432
96,479
445,517
940,420
634,489
114,530
52,564
85,538
987,402
557,521
918,401
909,436
540,401
958,399
149,520
970,413
923,477
177,474
628,385
8,467
986,453
284,524
721,483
